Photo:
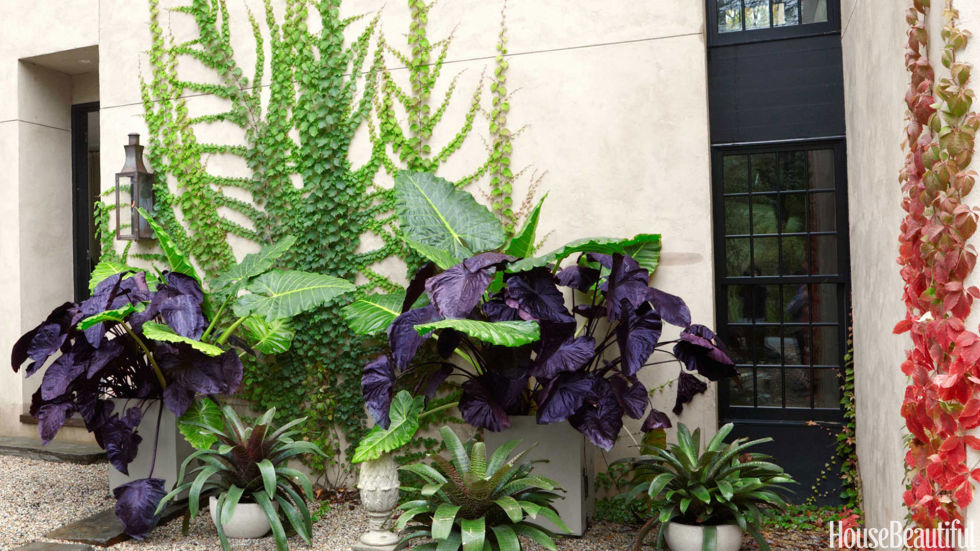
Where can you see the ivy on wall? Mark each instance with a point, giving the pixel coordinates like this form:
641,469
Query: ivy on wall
299,128
941,407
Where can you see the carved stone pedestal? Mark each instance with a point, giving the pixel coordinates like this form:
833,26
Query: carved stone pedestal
378,483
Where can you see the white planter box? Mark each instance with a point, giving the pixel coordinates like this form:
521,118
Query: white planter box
685,537
171,447
571,463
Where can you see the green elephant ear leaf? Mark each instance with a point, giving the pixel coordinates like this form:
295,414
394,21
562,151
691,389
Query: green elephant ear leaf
253,264
179,262
522,244
646,254
106,269
645,244
502,333
161,332
284,294
442,258
372,314
117,315
203,412
404,414
269,337
433,212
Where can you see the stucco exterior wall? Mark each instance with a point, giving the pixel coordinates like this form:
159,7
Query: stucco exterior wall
613,97
873,34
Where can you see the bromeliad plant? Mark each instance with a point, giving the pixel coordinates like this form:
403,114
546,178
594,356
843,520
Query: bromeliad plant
150,335
500,319
249,464
721,485
473,502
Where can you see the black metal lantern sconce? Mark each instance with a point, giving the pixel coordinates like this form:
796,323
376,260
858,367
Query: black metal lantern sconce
140,182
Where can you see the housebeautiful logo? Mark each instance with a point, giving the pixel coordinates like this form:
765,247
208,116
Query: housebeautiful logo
948,535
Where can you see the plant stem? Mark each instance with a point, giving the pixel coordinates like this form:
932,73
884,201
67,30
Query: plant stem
438,409
231,329
149,355
214,321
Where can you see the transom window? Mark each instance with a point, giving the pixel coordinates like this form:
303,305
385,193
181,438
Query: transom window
783,280
747,15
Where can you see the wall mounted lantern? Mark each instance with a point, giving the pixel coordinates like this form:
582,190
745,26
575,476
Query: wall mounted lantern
139,180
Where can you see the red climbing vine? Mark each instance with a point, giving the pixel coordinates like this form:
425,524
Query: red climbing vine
941,405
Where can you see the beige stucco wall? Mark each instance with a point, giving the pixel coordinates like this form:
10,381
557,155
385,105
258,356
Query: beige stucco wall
613,98
873,37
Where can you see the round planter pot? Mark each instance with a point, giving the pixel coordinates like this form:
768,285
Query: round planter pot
685,537
247,522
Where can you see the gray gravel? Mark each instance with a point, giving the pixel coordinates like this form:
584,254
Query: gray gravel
38,496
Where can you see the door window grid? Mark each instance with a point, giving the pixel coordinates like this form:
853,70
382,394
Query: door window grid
742,15
803,372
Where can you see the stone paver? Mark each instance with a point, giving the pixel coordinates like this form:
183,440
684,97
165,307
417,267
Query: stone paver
45,546
104,529
65,452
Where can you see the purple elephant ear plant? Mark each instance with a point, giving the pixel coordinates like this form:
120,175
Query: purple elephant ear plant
527,335
145,336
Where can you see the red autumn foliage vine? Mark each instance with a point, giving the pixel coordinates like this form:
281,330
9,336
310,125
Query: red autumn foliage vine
941,404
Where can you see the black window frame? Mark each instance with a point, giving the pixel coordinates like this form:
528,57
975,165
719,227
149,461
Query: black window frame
80,200
726,411
715,38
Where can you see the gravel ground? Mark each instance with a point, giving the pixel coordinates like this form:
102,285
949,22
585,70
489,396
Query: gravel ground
38,496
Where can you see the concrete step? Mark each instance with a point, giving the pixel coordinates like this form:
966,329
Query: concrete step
104,529
62,452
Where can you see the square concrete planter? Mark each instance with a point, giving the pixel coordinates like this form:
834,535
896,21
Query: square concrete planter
172,449
571,463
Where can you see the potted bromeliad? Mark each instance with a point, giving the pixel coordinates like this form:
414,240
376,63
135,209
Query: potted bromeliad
247,474
561,336
144,353
705,499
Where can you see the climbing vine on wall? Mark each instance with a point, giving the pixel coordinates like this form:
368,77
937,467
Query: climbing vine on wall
283,168
941,405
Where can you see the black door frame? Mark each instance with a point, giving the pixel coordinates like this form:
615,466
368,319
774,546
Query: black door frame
782,415
80,199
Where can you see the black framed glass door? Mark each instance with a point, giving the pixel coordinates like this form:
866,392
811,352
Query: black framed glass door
782,280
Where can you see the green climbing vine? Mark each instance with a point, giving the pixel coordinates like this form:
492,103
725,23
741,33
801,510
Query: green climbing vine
289,127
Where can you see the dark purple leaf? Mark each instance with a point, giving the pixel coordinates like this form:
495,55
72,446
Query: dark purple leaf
458,290
103,355
589,311
50,418
119,438
447,341
600,418
377,383
434,380
571,355
506,387
631,395
578,277
417,286
39,347
480,408
700,350
656,420
672,309
627,282
190,373
637,334
62,373
403,340
536,297
496,309
553,335
180,303
136,503
563,396
688,386
113,292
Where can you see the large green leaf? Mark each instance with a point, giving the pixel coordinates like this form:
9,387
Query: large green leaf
117,315
253,264
283,294
502,333
179,262
522,244
443,519
646,254
161,332
106,269
404,415
442,258
372,314
604,245
202,412
269,337
474,533
433,212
